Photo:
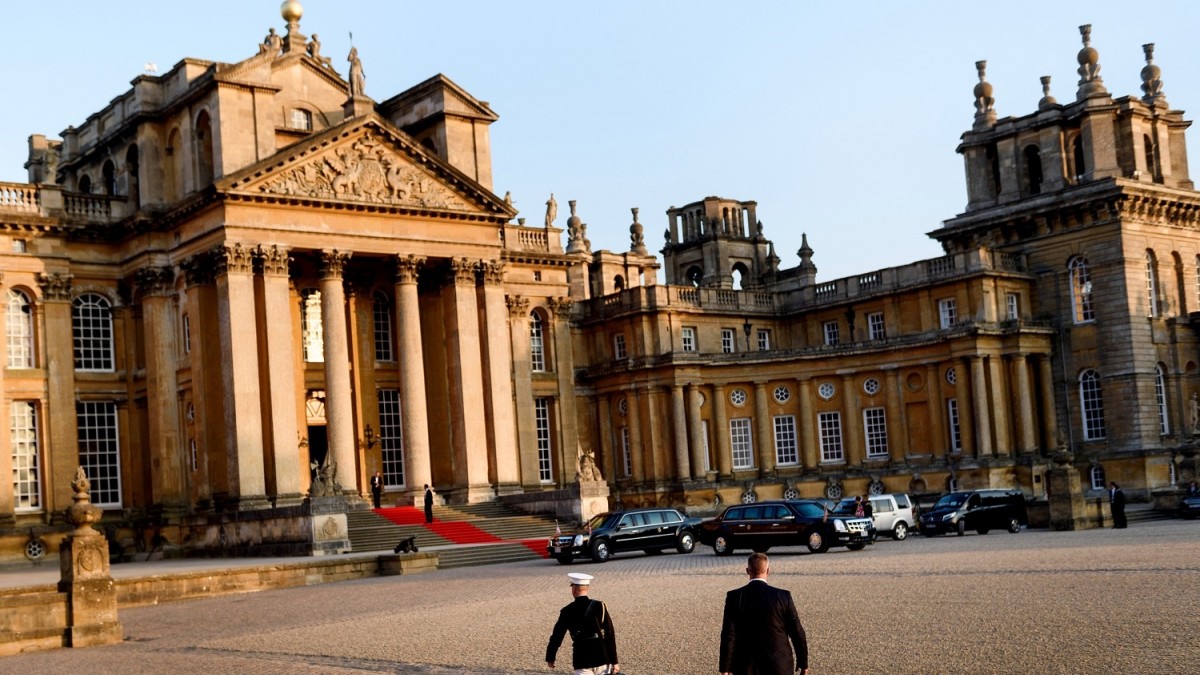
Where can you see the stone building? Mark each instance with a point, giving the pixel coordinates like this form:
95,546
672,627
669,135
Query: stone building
237,283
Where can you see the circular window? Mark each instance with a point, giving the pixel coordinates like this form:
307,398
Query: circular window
623,406
871,386
826,390
875,488
791,493
35,549
914,381
738,397
782,394
951,376
833,491
749,497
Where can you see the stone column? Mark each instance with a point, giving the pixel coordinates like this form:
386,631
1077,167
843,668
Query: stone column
281,375
721,433
851,423
937,404
1049,416
564,368
606,458
807,426
240,384
155,286
7,517
518,325
897,426
203,359
61,424
966,415
983,417
1026,435
696,432
468,433
414,418
763,430
656,462
634,415
498,348
1000,405
679,432
339,404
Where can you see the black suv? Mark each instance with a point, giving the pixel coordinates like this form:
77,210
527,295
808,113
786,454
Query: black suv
649,530
978,510
784,523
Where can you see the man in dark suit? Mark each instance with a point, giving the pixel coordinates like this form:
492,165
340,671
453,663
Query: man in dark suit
759,622
376,488
428,504
1116,498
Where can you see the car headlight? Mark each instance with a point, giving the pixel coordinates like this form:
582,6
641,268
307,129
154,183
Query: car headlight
839,525
579,540
948,516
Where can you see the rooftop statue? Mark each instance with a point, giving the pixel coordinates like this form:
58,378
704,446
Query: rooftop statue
358,81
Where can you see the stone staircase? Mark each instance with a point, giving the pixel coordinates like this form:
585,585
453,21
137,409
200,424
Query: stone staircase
370,531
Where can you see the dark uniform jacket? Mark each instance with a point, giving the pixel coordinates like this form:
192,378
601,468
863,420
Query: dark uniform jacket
594,643
759,622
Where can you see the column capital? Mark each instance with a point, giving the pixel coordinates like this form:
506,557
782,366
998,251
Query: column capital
333,263
408,267
274,260
56,286
235,258
155,281
493,272
198,269
561,306
518,305
464,270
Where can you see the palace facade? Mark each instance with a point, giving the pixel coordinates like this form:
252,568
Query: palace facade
238,279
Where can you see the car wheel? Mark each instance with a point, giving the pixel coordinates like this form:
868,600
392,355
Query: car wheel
600,551
856,547
564,559
816,542
723,545
686,543
1014,525
900,532
962,527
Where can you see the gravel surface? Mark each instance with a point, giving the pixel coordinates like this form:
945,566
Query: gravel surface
1125,601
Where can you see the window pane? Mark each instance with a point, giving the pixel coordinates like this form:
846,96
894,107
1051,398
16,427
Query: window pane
99,450
741,447
23,431
391,438
91,323
19,324
785,440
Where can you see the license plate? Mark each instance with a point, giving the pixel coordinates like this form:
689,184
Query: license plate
558,549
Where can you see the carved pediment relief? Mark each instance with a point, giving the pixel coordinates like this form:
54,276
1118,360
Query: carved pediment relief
363,169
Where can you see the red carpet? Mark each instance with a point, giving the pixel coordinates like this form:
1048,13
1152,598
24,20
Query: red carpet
538,546
456,531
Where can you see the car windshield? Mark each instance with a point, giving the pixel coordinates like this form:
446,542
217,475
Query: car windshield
845,508
951,501
602,520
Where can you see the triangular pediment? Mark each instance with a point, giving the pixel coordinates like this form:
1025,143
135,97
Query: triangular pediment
365,162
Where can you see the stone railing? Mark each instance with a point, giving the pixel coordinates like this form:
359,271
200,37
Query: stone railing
52,201
532,239
92,208
645,298
19,198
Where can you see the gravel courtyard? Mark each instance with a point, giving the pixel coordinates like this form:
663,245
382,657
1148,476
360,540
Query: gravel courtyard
1125,601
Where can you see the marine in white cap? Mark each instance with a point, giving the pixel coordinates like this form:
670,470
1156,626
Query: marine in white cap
593,640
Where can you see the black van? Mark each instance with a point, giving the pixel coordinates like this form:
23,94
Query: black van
979,510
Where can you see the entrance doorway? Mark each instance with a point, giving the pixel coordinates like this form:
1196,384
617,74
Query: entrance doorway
318,444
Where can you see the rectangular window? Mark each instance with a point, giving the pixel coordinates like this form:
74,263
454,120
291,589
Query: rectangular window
187,334
1013,306
99,450
708,463
875,329
537,345
740,443
541,416
27,476
311,332
829,425
391,438
785,441
689,339
726,340
626,454
764,340
92,330
301,119
831,332
948,312
619,346
875,428
381,318
192,453
955,431
19,321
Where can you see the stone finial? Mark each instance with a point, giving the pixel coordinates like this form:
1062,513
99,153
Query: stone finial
1090,81
575,229
805,252
637,239
82,513
772,259
1152,83
1047,101
551,211
985,104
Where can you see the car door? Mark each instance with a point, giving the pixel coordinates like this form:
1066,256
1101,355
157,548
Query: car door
656,530
742,529
630,532
883,513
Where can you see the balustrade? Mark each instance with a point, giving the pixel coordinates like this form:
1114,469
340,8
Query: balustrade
19,198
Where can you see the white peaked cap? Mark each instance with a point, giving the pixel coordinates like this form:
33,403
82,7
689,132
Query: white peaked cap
580,579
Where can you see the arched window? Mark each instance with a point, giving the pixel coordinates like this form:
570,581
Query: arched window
741,276
619,283
1160,398
301,119
108,178
172,167
381,314
85,184
537,343
91,325
695,274
1081,290
312,332
994,167
1096,477
1077,156
1091,403
1033,170
18,321
1151,155
1151,285
204,149
133,176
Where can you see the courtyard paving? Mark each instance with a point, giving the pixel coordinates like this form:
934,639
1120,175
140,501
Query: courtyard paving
1124,601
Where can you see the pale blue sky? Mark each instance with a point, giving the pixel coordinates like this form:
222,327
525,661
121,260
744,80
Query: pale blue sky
839,119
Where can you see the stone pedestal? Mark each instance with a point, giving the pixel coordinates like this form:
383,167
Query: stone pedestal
593,499
1189,465
83,559
327,520
1067,508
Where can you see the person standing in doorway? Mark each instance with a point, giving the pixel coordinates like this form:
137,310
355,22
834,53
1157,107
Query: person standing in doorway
428,504
377,488
593,640
759,622
1116,498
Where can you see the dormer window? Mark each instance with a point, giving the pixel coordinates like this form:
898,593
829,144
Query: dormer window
301,119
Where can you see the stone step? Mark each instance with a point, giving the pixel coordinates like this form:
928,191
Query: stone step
485,554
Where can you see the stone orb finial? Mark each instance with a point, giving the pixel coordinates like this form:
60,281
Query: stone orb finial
291,10
1088,55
